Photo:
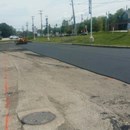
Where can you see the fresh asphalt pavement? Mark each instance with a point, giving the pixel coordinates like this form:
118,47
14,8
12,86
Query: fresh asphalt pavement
112,62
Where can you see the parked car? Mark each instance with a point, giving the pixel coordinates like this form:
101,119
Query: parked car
14,37
84,33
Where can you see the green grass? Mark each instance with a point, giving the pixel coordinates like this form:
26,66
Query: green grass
101,38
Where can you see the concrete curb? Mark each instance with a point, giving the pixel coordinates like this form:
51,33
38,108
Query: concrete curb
103,46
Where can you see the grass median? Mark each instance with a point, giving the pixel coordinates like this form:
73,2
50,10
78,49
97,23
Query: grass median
100,38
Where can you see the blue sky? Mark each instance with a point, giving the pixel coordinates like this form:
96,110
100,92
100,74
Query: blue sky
18,12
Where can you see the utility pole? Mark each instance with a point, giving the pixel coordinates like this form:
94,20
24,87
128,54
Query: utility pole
126,7
82,19
91,24
22,28
23,31
75,30
27,28
33,27
108,21
47,26
106,25
40,12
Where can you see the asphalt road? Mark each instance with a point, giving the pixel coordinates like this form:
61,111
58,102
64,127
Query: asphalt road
112,62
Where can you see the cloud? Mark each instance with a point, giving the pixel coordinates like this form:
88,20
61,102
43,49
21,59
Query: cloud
18,12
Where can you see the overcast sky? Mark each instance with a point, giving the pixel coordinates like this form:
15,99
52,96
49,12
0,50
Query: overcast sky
18,12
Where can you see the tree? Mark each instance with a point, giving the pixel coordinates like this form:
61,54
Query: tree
114,19
95,24
6,30
87,23
118,14
66,28
100,23
81,28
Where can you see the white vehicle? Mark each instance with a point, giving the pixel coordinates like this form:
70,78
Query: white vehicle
14,37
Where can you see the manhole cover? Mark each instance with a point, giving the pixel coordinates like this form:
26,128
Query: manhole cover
38,118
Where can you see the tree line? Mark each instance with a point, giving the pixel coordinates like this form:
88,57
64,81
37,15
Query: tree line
101,23
6,30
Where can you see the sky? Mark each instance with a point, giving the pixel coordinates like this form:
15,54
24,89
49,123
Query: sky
19,12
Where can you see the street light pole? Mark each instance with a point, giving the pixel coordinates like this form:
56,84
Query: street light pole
91,23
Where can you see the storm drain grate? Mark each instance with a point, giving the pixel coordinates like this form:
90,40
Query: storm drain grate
38,118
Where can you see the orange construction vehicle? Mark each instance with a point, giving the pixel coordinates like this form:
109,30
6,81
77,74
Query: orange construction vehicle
22,41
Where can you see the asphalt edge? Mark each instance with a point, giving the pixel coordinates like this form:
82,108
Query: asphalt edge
89,45
103,46
112,77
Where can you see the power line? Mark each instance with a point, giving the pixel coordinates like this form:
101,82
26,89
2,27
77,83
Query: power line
110,2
